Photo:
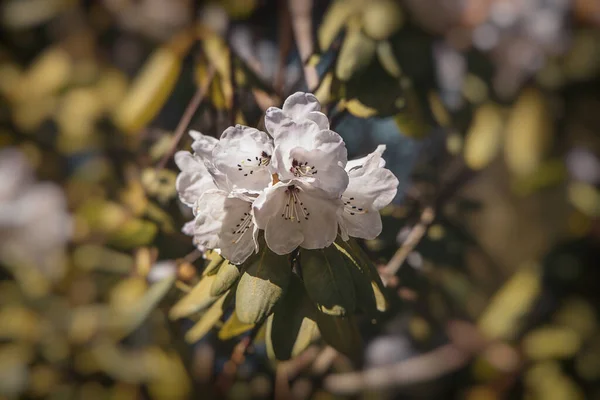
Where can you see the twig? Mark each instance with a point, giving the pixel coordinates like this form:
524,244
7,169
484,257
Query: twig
234,97
187,116
285,44
422,368
324,360
301,13
414,237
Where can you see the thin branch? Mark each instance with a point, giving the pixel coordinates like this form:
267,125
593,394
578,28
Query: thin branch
422,368
285,45
234,97
301,14
187,117
414,237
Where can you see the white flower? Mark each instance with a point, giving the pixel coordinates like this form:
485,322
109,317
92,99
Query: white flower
220,181
244,155
292,186
298,107
34,223
371,188
224,221
295,214
195,177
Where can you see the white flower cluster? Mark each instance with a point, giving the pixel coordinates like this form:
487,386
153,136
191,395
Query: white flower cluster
34,222
296,185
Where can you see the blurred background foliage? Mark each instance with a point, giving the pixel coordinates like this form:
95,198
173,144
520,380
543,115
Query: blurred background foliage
489,110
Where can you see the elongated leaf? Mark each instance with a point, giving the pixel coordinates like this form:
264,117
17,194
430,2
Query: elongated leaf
196,300
356,53
261,286
382,18
342,334
367,267
328,281
292,326
336,17
484,137
215,262
365,297
233,327
149,91
207,321
228,274
385,55
528,133
127,319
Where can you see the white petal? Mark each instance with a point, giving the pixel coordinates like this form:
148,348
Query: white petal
319,118
275,120
294,214
237,240
365,226
282,239
189,227
307,135
243,154
267,209
352,164
299,104
318,169
203,145
376,186
209,211
321,227
15,173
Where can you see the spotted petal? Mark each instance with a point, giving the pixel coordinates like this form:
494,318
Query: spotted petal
294,214
237,240
370,188
244,155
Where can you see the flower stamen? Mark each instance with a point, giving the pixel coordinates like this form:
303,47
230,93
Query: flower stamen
302,169
248,166
352,208
294,209
242,227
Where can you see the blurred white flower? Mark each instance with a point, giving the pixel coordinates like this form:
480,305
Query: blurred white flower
34,223
292,185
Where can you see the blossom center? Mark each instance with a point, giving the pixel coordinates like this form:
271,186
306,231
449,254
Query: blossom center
351,207
242,227
302,168
248,166
294,209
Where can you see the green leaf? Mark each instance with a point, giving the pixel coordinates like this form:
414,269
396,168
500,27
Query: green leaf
385,55
196,300
207,321
365,297
292,326
334,20
356,53
128,318
213,266
342,334
228,274
233,327
261,286
367,267
328,281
